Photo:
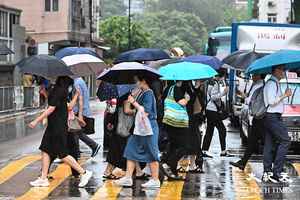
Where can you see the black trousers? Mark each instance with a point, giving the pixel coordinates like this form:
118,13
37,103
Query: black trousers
253,139
214,120
177,146
195,136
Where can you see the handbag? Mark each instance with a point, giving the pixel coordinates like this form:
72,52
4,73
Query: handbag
125,123
142,125
90,125
221,109
73,123
175,114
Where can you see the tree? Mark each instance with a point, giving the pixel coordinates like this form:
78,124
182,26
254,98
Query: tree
113,8
114,31
213,13
174,29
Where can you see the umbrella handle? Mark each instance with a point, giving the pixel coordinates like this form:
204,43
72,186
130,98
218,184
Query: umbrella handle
287,83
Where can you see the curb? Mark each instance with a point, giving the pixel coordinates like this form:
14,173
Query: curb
6,117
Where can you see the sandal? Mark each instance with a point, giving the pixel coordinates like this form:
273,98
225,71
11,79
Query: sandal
197,170
110,177
181,170
143,177
173,177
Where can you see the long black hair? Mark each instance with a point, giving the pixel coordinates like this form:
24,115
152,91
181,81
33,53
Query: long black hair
62,83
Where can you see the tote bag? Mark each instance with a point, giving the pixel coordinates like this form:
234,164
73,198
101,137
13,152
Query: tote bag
142,125
175,114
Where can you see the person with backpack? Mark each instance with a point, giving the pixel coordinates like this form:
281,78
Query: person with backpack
275,129
256,123
215,115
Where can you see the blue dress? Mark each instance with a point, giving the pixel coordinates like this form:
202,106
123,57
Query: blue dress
145,148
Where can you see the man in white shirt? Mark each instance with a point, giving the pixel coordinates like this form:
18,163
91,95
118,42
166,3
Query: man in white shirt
257,125
275,129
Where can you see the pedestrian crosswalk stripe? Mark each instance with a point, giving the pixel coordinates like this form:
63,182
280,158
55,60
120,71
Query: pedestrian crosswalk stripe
173,189
60,174
297,167
245,184
109,191
16,166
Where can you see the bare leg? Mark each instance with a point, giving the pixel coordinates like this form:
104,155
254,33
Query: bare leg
109,169
45,165
130,168
154,167
74,164
138,170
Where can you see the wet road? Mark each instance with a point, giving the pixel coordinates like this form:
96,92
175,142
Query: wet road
20,163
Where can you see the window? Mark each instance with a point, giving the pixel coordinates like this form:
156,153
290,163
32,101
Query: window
51,5
13,19
47,5
272,18
55,5
3,24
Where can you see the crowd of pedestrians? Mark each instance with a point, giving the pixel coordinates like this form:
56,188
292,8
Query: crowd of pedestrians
176,112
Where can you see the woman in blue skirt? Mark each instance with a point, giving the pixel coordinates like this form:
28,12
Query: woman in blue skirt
143,148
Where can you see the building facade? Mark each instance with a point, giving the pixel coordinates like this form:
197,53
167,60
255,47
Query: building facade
274,11
59,23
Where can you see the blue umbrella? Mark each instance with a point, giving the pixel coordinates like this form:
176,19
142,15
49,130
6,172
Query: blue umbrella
70,51
289,58
185,71
212,61
125,89
142,54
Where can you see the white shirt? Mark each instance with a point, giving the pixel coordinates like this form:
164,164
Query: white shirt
272,94
213,93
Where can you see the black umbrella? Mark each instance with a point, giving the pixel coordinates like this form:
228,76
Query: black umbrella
241,60
142,54
107,91
124,73
45,66
4,50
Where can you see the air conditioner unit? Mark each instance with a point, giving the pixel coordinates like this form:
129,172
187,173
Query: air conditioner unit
271,3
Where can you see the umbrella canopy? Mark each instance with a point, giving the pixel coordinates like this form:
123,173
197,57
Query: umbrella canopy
107,91
212,61
142,54
83,61
45,66
160,63
289,58
84,64
125,89
185,71
124,73
70,51
4,50
241,60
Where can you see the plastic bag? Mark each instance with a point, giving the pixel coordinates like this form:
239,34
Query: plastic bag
142,125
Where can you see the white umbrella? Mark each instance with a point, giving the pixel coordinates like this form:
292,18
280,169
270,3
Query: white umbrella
84,64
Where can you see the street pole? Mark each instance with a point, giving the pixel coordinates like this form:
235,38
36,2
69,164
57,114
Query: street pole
129,24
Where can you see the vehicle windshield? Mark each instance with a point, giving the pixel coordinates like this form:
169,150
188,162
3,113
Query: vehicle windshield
220,46
295,98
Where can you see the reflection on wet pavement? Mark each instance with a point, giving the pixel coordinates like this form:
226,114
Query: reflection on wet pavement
220,181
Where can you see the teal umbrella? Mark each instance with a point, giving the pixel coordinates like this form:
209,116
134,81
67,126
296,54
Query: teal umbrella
185,71
289,58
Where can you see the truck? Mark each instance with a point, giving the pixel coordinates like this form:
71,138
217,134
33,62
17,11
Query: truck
266,38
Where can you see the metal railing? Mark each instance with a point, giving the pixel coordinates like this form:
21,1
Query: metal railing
7,96
28,97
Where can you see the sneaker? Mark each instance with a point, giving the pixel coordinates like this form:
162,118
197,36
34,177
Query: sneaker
125,181
95,151
226,154
266,177
84,179
205,155
57,160
151,184
40,183
238,164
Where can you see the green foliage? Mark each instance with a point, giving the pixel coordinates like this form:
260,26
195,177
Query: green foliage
174,29
113,8
213,12
114,30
